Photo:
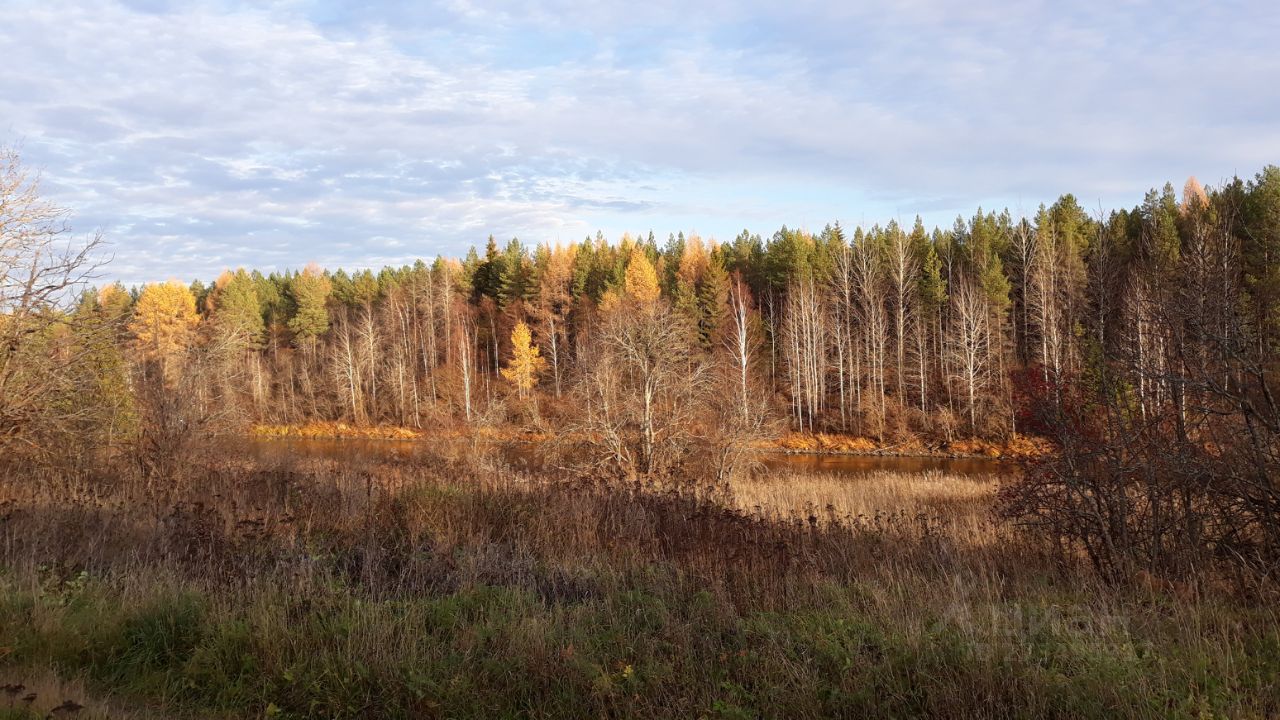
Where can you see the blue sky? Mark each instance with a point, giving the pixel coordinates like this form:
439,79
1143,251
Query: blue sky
203,135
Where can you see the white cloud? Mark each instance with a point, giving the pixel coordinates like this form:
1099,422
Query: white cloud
210,135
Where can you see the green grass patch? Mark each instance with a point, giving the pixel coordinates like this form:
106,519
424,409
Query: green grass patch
640,651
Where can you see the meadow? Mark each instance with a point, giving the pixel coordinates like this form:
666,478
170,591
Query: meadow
449,584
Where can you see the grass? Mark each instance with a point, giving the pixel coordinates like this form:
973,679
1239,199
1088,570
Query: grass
961,502
447,589
39,694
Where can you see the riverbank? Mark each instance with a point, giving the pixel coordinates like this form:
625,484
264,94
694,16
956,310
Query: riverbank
1020,447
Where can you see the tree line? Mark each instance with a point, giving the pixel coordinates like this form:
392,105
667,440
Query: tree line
882,331
1142,341
878,331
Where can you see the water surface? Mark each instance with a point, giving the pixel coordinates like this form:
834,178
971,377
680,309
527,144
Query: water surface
521,455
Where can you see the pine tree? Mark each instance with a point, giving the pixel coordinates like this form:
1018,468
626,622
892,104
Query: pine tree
787,257
201,293
236,310
713,302
688,280
471,264
583,262
100,377
514,274
933,287
1260,251
364,288
488,275
1159,215
310,292
114,304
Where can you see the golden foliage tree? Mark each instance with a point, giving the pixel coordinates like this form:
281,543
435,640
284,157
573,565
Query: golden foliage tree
526,362
640,283
164,321
1193,196
554,302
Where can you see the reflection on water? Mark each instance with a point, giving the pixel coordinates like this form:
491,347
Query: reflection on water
527,456
864,464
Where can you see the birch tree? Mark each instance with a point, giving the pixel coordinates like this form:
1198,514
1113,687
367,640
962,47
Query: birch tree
903,269
741,342
969,344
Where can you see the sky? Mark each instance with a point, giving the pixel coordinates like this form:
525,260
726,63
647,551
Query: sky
199,136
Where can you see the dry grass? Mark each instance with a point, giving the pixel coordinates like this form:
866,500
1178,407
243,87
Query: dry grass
43,693
1020,447
453,586
339,430
318,430
963,503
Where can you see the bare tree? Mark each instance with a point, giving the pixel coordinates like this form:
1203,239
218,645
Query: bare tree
848,350
903,270
742,343
465,333
1024,251
969,344
345,364
555,299
42,265
869,279
642,386
1043,300
804,332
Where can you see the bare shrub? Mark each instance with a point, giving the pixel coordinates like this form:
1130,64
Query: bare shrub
640,389
1136,495
42,266
178,413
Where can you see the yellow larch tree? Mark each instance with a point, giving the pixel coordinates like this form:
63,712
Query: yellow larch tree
640,283
164,321
526,361
1193,196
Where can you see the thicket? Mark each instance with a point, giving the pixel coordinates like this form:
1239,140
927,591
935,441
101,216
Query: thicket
451,587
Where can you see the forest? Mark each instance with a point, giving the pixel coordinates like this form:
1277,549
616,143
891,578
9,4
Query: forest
1132,349
882,332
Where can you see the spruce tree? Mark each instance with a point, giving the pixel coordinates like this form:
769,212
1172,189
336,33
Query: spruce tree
310,293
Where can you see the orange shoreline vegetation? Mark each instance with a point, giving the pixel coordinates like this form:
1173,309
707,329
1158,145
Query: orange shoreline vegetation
1019,448
343,431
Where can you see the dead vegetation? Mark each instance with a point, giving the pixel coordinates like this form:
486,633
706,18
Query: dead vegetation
453,585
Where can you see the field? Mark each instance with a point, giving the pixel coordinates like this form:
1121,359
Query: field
453,586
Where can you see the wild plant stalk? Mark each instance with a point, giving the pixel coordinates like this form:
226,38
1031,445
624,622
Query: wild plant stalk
454,586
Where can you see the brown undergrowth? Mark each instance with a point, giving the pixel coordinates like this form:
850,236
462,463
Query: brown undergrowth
455,586
1020,447
393,526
